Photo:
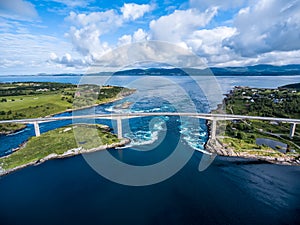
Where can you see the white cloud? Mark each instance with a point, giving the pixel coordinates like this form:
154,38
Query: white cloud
208,43
53,56
178,25
125,39
105,21
279,58
186,29
27,53
6,63
29,46
182,27
67,60
273,58
7,25
17,9
221,4
132,11
86,40
263,31
140,35
266,26
139,53
74,3
88,29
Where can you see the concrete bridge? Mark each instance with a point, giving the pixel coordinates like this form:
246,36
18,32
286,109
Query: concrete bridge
119,117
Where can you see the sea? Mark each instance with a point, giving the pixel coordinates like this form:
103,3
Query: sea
228,191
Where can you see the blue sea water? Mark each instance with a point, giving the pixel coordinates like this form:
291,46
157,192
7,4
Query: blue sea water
230,191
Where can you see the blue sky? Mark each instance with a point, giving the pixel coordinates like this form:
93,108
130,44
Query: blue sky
68,36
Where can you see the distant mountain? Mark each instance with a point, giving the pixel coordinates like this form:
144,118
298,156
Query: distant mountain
64,74
153,72
257,70
291,86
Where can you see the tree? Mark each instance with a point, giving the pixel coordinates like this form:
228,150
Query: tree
240,135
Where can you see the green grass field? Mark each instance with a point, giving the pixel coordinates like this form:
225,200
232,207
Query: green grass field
59,141
244,146
31,106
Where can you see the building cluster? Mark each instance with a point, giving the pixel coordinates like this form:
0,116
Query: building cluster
252,94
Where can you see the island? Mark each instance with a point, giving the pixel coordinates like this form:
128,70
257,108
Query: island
264,140
21,100
61,143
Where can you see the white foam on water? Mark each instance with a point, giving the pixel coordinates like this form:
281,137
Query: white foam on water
193,137
109,109
142,137
19,132
143,140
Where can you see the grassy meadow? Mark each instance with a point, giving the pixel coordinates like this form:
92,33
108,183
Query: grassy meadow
59,141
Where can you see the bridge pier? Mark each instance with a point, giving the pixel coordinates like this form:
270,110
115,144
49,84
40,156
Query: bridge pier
37,129
292,130
119,128
213,129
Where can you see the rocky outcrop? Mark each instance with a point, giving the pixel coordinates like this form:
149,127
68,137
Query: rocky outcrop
219,148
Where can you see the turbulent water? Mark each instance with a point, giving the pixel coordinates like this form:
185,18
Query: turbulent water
230,191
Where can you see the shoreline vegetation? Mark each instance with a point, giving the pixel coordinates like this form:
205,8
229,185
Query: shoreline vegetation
239,138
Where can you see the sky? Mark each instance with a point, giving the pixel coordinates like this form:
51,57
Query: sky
68,36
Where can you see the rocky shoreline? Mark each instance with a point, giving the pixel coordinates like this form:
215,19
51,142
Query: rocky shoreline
217,147
12,131
96,104
69,153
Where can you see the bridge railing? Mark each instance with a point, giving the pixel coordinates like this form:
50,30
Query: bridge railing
119,117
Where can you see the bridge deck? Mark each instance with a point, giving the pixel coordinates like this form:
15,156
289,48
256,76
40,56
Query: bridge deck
206,116
120,117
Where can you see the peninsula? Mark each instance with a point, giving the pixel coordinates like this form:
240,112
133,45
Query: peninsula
264,140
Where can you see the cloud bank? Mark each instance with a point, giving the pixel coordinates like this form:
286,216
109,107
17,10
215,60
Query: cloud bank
221,33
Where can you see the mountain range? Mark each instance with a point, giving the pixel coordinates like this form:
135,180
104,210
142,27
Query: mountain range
257,70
